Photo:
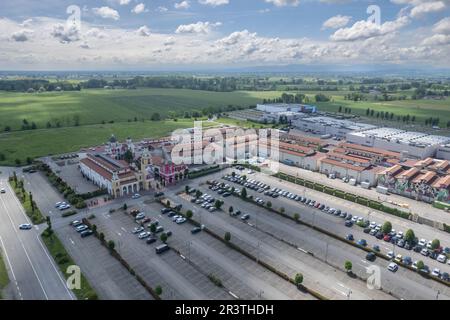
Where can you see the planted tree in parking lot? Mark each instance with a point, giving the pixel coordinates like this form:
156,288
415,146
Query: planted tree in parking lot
125,207
410,236
101,236
189,214
163,237
296,217
218,204
435,244
298,280
153,228
187,188
348,266
269,204
420,265
94,229
244,193
111,245
282,210
158,290
198,194
227,236
387,227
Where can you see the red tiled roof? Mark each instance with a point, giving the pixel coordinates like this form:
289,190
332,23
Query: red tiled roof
100,170
343,165
370,149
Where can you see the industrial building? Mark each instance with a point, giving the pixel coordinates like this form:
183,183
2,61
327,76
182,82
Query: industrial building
286,107
332,126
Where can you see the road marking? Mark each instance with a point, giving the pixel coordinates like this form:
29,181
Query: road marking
119,234
11,268
71,241
233,295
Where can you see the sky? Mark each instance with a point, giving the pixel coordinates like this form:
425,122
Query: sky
221,34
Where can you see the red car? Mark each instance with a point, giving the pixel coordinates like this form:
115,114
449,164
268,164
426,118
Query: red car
147,220
317,205
387,238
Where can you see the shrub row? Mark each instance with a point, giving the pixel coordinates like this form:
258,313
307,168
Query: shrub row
68,213
344,195
203,172
29,205
94,194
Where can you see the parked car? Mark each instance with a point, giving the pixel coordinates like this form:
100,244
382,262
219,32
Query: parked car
245,217
442,258
25,226
371,256
376,248
348,223
362,242
196,230
349,237
138,230
393,267
86,233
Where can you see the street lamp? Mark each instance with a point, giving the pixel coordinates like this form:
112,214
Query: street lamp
349,294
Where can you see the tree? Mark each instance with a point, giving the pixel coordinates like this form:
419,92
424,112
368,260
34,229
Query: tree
218,204
298,280
49,223
158,290
435,244
420,265
128,156
101,236
163,237
189,214
227,236
156,117
153,228
186,189
410,236
387,227
111,245
348,266
198,194
282,210
244,193
296,217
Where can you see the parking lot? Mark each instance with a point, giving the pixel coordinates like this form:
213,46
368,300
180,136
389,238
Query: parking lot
400,284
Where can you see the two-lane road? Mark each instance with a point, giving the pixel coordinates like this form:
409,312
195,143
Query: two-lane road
33,273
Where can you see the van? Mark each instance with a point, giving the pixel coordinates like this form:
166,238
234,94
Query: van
162,248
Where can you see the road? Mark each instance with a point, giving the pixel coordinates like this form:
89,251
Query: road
33,273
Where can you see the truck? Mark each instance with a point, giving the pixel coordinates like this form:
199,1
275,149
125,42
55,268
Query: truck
162,248
352,182
382,190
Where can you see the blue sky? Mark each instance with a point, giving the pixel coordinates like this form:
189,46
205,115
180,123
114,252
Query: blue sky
134,33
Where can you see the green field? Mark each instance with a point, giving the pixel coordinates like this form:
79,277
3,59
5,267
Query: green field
37,143
95,106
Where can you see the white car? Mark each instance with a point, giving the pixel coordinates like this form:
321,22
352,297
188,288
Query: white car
436,272
180,220
140,216
2,190
58,204
393,267
422,242
144,235
136,196
373,225
429,246
441,258
138,230
175,218
400,235
25,226
391,255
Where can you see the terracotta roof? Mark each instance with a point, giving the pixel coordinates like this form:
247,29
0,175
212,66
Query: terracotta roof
425,177
424,162
295,147
295,153
343,165
442,183
408,174
95,167
350,158
371,149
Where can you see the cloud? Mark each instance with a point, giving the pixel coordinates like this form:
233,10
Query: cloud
182,5
139,8
214,3
106,13
427,7
162,9
96,33
443,26
336,22
26,23
66,33
143,31
199,27
367,29
284,3
21,35
437,40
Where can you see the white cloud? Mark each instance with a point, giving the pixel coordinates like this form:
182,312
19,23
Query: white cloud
336,22
139,8
437,40
199,27
182,5
427,7
106,13
283,3
443,26
144,31
22,35
66,33
214,3
162,9
367,29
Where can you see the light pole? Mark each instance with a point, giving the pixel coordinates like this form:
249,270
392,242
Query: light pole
349,294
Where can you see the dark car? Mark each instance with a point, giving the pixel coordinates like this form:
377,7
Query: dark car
86,233
379,235
168,233
348,223
417,248
371,256
166,210
196,230
349,237
408,246
362,242
151,240
445,276
226,194
159,194
367,230
376,248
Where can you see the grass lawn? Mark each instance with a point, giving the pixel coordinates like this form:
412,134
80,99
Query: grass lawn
4,279
38,143
64,260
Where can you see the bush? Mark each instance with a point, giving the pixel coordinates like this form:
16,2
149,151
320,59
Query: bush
68,213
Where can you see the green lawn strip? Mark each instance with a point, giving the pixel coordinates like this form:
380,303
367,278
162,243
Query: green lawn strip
33,213
64,260
4,279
